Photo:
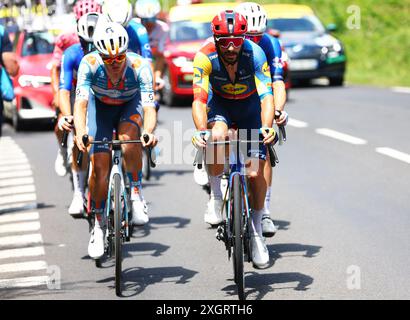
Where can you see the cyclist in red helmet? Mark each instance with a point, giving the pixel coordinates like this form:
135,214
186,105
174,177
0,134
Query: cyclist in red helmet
64,41
232,85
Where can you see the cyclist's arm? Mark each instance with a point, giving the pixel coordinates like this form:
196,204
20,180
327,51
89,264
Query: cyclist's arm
55,75
264,88
66,79
276,66
84,81
8,57
145,79
202,70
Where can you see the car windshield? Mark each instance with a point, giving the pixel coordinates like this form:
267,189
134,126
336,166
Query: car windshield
304,24
38,43
189,31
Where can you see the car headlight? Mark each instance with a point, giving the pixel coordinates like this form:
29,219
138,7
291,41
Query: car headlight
33,81
337,47
182,62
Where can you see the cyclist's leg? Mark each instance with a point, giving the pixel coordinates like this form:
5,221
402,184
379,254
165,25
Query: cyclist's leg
218,123
130,129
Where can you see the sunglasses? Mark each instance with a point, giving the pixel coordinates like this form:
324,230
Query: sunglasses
117,59
254,38
225,42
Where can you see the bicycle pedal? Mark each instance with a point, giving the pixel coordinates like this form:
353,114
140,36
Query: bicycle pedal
220,233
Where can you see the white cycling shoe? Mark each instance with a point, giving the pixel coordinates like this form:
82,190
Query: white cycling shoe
59,164
139,212
260,253
213,212
96,243
201,176
77,205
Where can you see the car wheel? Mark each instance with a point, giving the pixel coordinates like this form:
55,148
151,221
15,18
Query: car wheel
168,97
336,82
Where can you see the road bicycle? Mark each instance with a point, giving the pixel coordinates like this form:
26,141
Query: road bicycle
118,207
235,230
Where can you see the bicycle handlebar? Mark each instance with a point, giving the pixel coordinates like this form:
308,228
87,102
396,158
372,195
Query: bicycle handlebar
65,136
86,142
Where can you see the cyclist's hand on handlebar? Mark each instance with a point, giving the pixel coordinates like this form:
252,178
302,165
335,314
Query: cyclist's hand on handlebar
79,142
269,135
151,141
66,123
159,83
199,138
281,118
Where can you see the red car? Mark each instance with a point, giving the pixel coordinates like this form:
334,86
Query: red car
32,85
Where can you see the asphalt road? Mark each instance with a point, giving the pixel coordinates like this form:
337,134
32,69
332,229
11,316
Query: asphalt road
340,197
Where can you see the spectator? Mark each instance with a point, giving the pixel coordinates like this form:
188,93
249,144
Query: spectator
8,61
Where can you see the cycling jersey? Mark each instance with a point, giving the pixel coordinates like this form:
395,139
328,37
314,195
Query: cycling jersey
69,66
253,75
273,51
138,39
158,36
236,103
63,42
136,81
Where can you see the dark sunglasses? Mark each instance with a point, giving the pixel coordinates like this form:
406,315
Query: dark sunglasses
118,59
225,42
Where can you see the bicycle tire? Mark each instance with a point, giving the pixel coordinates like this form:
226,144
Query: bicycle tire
238,263
117,233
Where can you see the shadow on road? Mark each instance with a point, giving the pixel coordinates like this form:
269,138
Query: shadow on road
136,280
259,285
276,250
156,223
144,249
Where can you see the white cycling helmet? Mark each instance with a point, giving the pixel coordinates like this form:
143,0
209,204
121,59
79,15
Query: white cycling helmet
255,15
146,9
86,26
119,11
110,39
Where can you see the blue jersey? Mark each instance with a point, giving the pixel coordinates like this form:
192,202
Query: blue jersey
210,76
69,66
136,81
273,51
138,39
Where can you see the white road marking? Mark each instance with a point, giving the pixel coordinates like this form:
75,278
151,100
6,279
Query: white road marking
19,217
398,155
27,239
24,282
25,197
401,89
16,182
16,174
17,190
16,167
340,136
20,227
22,252
297,123
23,266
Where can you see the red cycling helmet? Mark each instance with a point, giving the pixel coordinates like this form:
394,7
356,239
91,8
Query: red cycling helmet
229,23
82,7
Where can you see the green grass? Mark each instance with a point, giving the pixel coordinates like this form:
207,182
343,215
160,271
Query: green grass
379,52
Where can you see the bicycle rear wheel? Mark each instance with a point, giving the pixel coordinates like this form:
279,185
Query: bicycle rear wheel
238,237
117,233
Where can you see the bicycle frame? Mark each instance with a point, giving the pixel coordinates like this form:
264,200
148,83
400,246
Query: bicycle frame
117,169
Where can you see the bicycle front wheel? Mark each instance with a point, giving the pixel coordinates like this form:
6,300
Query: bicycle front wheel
238,237
117,233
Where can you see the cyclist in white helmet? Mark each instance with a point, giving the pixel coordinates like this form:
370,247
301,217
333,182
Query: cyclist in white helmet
114,91
147,11
69,67
256,17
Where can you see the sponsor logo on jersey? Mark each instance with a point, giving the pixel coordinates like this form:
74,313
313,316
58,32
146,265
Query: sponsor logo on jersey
234,89
136,63
91,60
266,69
197,76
